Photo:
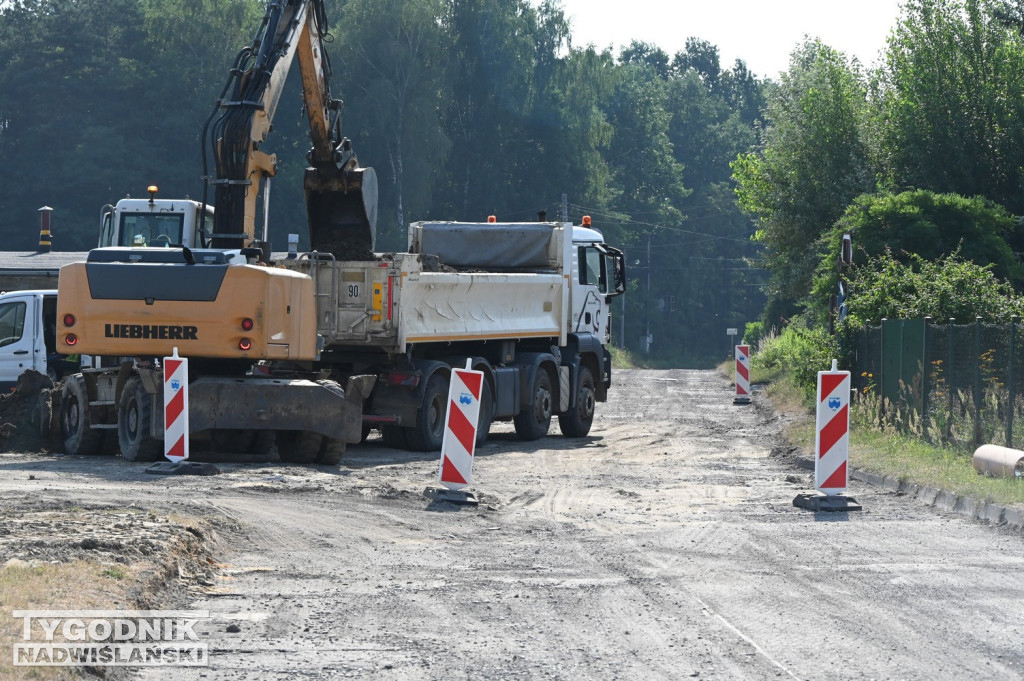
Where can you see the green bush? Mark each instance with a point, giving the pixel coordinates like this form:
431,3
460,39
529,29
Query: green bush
800,352
950,286
754,332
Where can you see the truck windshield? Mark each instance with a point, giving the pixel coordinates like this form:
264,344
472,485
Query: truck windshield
151,229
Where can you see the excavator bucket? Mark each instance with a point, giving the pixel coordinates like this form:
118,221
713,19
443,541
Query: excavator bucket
342,211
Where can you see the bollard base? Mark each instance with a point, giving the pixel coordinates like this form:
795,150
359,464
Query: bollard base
462,497
816,501
182,468
741,400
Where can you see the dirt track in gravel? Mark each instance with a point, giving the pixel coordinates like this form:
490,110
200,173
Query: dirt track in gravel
665,545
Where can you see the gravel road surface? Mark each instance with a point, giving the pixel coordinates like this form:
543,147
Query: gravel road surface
664,546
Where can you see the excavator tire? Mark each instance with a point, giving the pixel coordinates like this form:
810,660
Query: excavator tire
79,438
134,411
331,452
299,446
263,441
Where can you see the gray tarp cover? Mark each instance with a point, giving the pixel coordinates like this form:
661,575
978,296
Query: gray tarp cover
509,245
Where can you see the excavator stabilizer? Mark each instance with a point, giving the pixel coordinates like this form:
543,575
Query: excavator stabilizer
342,211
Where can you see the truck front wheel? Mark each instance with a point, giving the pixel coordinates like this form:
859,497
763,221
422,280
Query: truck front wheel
577,421
427,434
134,411
533,421
78,437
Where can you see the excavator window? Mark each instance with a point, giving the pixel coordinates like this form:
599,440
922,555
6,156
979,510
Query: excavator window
151,229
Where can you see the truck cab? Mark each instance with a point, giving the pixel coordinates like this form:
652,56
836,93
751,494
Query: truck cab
28,324
598,274
155,222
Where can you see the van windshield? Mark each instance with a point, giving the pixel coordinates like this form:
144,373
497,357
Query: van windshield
151,229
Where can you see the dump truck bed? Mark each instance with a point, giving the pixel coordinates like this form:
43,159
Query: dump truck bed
409,298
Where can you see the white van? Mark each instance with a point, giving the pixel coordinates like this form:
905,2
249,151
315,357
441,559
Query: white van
28,324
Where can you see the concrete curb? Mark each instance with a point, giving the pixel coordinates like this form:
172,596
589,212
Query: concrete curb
996,514
944,500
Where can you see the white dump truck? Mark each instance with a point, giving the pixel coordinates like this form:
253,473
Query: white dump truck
526,303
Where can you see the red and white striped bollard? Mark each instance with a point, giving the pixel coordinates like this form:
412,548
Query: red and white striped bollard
742,375
176,407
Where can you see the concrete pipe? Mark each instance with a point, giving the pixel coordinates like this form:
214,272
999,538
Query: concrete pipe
1001,461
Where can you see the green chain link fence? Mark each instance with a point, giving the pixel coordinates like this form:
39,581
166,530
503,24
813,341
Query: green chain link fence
950,382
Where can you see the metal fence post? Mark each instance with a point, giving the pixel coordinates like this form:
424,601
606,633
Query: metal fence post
948,435
881,371
977,381
925,379
1010,384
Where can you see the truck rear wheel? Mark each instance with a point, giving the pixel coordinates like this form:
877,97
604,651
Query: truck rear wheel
134,411
577,421
532,423
78,437
427,434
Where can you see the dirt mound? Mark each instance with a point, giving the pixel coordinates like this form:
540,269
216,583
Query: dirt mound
27,415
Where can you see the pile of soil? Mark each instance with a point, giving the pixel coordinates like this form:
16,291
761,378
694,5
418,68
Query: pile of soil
28,420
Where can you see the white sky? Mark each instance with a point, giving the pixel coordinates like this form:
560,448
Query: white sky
761,32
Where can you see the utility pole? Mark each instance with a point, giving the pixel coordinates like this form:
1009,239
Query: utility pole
622,318
647,338
565,207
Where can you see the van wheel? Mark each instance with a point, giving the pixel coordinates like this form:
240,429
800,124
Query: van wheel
533,421
577,421
134,411
78,437
427,434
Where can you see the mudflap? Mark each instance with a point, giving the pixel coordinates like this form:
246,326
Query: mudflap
279,404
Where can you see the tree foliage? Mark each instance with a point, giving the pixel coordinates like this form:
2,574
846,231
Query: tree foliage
913,287
811,164
465,108
893,153
919,224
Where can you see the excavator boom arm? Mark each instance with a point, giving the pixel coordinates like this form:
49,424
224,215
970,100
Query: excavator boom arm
341,197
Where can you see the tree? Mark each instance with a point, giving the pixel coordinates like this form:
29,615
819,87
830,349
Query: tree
393,63
911,288
103,98
490,91
811,164
921,225
951,102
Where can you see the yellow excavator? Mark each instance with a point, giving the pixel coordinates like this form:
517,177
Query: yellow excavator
217,301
